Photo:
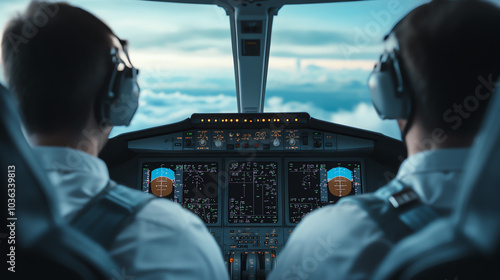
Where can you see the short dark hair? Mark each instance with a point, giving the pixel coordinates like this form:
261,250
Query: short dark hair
449,48
55,58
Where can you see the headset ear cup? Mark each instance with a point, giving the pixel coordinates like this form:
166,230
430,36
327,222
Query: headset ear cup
387,100
119,100
126,101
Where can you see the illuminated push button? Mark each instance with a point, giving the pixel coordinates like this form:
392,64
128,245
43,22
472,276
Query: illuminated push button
256,145
237,145
246,145
218,143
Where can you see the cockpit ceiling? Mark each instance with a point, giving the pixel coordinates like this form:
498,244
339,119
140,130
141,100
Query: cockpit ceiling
273,3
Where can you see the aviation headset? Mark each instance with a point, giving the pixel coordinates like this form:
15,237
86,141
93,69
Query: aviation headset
388,82
118,101
390,89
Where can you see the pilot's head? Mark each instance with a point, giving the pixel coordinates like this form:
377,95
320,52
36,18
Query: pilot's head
58,60
448,55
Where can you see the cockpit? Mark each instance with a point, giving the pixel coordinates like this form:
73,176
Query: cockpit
252,176
252,113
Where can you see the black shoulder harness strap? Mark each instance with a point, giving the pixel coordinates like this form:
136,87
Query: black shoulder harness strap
109,212
397,210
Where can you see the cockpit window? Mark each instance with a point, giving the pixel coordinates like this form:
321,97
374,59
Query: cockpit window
184,55
321,56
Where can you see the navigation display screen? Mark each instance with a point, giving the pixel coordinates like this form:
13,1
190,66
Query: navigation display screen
312,185
192,184
253,192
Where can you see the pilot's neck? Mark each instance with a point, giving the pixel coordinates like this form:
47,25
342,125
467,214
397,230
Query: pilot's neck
91,139
419,139
61,139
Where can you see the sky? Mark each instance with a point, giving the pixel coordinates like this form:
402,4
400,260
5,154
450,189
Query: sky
321,57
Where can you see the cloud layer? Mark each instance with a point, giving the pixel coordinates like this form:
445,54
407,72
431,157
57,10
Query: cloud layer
163,108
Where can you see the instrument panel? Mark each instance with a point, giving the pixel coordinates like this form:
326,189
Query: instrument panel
251,178
253,193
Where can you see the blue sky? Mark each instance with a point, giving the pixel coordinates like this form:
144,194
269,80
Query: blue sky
321,56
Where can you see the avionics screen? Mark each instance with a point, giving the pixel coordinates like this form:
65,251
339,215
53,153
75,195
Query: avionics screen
253,192
312,185
192,184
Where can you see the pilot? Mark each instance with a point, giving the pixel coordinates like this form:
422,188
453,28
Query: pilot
444,59
58,61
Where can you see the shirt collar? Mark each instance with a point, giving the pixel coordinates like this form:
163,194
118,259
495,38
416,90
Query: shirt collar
63,160
440,160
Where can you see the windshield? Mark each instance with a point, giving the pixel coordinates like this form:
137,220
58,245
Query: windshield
321,56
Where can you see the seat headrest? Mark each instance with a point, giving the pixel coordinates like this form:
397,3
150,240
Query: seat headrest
478,206
33,203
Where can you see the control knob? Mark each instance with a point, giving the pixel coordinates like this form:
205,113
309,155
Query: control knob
218,143
292,142
318,144
276,142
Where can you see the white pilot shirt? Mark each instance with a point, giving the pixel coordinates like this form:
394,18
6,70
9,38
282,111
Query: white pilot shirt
165,241
343,242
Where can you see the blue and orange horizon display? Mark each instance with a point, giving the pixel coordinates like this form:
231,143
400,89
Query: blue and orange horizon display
339,181
162,181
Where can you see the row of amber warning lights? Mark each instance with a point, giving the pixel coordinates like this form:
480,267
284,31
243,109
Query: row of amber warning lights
247,120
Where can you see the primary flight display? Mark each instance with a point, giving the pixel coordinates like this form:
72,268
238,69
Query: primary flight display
192,184
312,185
